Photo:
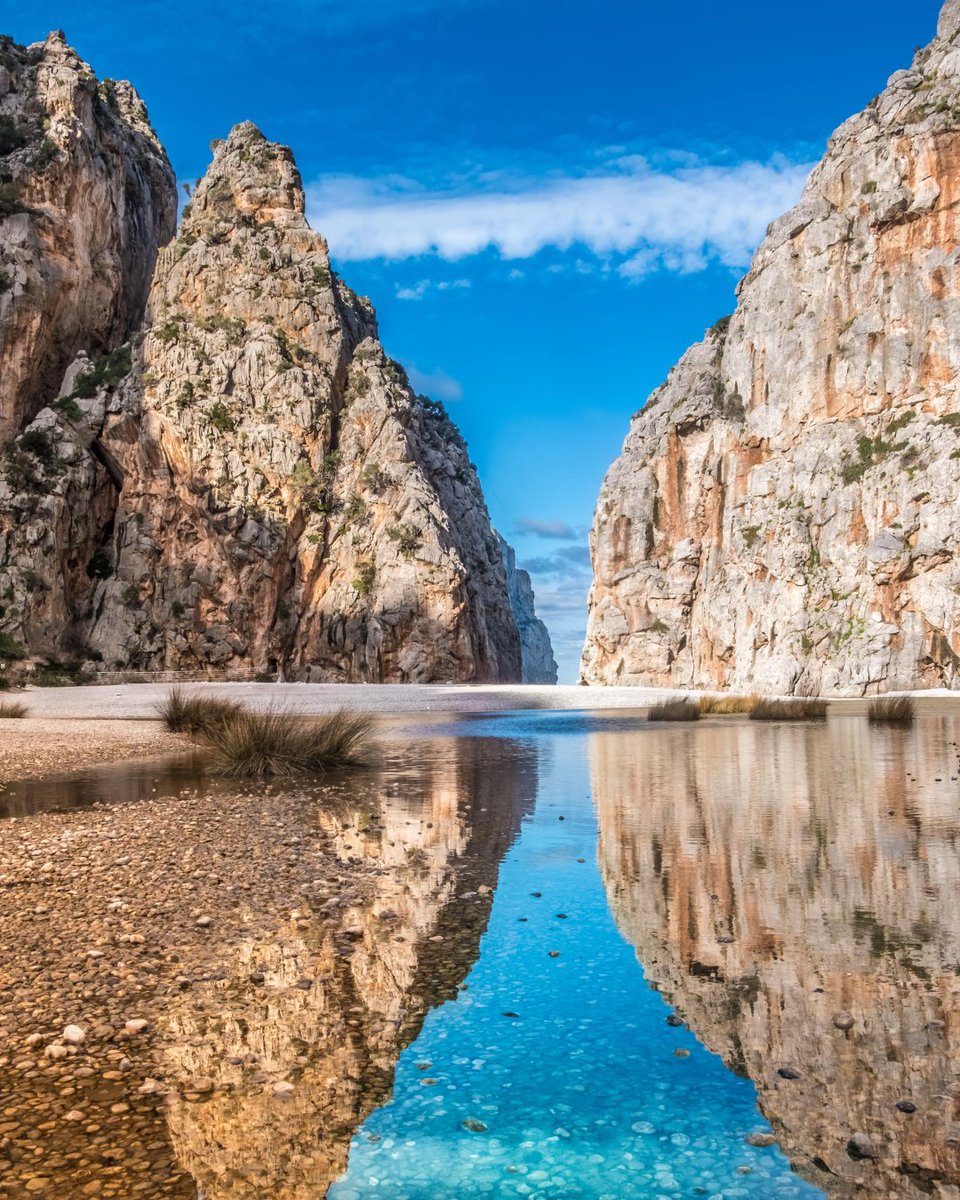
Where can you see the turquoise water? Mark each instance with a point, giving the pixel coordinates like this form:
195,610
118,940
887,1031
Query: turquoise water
557,1075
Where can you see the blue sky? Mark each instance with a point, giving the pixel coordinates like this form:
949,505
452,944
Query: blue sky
547,200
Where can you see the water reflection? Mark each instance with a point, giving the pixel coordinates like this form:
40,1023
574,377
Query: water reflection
283,949
777,882
117,783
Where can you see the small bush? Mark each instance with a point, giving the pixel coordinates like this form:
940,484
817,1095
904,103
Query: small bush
789,710
892,710
363,583
9,649
13,708
108,371
220,418
195,715
280,742
712,706
675,710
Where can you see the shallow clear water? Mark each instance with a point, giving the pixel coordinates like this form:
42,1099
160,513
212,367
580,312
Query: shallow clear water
451,975
566,1062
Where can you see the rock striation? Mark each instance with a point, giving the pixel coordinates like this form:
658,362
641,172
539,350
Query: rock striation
536,652
783,514
247,483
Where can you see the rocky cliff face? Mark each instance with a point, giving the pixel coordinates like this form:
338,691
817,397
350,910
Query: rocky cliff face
536,652
86,198
794,933
249,484
783,514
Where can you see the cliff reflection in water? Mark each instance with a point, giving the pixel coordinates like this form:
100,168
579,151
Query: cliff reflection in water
774,877
299,1044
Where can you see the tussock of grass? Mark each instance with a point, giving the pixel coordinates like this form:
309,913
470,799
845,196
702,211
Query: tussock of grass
675,710
13,708
280,742
275,742
892,710
725,705
789,710
195,715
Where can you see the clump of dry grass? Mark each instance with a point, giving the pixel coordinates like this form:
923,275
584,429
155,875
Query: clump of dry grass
281,742
789,710
892,710
711,706
195,715
13,708
675,710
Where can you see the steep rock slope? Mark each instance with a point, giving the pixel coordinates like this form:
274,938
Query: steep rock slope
250,484
86,198
536,652
783,513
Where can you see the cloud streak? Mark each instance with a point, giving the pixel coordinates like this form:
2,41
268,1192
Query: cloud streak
641,217
546,529
436,384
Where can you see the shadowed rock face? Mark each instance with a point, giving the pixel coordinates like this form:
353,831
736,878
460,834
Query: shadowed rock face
782,516
536,652
775,879
250,484
86,198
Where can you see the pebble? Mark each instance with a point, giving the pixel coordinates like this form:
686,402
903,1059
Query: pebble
136,1025
73,1035
860,1146
843,1020
760,1140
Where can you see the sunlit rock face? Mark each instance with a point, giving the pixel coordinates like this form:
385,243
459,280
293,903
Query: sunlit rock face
86,198
774,879
782,516
251,485
295,1062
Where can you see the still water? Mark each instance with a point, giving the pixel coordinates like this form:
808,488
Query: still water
592,957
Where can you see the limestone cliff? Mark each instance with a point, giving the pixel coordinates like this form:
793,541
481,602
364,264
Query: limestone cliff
783,514
248,484
86,198
536,652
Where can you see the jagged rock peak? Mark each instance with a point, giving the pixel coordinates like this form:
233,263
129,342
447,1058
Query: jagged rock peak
249,177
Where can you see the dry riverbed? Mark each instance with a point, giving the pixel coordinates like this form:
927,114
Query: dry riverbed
117,923
39,748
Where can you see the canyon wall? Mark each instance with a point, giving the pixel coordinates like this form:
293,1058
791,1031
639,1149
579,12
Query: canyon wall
783,514
223,475
536,652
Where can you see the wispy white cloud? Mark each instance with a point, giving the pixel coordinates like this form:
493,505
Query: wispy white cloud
680,216
418,290
436,384
546,529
